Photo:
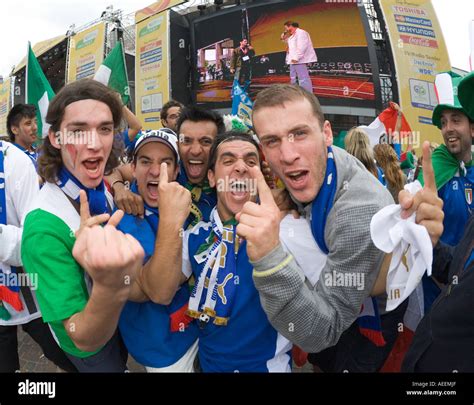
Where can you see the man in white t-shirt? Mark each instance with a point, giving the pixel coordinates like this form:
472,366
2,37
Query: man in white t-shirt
18,306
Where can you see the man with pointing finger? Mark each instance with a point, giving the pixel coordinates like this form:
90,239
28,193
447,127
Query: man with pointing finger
234,332
85,272
156,330
338,198
444,338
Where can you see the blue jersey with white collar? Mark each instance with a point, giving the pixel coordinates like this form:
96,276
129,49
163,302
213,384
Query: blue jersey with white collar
145,327
457,196
248,343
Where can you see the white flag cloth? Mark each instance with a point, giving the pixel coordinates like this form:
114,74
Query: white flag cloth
374,131
392,234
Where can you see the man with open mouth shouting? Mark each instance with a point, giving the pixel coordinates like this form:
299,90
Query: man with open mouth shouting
197,128
156,330
337,196
234,332
85,271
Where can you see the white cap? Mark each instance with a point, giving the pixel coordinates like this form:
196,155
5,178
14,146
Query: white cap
163,135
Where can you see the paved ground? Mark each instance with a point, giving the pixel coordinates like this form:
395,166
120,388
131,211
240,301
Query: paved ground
32,359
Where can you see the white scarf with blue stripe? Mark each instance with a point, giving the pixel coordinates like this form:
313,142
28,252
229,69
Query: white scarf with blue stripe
212,295
95,196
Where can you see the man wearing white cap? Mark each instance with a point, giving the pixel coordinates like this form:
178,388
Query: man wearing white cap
156,331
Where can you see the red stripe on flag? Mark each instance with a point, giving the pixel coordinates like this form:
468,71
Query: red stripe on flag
11,297
374,336
394,361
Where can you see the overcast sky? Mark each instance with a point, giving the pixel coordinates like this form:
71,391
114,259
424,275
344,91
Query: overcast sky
36,20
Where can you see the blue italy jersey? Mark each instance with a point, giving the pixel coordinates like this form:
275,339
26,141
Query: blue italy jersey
146,327
129,145
458,204
248,343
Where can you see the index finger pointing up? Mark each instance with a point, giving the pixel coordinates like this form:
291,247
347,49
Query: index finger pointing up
264,192
164,173
84,211
428,172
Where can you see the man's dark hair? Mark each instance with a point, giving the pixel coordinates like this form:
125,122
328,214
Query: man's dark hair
291,23
16,114
167,106
196,114
229,136
50,161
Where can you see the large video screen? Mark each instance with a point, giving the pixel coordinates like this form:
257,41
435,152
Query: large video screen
342,76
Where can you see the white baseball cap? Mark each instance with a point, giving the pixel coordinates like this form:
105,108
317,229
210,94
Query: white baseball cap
163,135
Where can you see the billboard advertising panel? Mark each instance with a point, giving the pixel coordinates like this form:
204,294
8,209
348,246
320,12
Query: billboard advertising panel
4,106
152,69
86,52
419,53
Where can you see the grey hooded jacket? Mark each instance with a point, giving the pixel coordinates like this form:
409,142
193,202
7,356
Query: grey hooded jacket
314,319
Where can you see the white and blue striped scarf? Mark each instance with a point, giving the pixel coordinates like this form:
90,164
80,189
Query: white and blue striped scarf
212,295
96,196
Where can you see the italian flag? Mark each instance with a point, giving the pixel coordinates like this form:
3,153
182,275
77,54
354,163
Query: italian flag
113,73
385,124
38,91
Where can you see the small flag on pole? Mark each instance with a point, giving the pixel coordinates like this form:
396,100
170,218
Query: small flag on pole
113,72
38,91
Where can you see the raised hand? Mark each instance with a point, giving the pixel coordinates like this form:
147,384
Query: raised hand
174,201
268,174
87,221
259,224
128,201
110,257
426,204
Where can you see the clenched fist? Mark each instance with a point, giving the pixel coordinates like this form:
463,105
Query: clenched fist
110,257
